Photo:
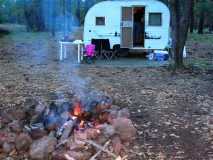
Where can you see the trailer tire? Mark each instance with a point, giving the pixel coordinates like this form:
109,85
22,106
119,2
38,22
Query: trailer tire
123,52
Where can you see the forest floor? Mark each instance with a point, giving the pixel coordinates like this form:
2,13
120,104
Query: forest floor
173,112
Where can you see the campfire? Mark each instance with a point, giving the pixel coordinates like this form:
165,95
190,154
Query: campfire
83,130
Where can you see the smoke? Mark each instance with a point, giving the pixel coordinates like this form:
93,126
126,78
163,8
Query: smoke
62,20
59,16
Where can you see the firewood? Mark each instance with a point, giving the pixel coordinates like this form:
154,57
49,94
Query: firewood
61,143
99,147
68,157
99,152
68,128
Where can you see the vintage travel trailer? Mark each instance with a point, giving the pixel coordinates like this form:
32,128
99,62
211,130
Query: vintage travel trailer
135,24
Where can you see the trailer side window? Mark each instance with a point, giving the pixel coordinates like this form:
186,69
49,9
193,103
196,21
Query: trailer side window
155,19
100,21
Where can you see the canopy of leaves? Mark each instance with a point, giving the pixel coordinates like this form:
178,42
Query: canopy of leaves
14,11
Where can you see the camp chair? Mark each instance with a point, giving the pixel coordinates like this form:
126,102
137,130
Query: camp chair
90,50
106,51
97,43
89,53
102,49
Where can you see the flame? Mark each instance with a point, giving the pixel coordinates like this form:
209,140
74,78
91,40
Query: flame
77,109
98,131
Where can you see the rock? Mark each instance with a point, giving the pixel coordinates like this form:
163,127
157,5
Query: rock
23,142
112,115
124,128
82,155
73,146
18,114
2,138
79,135
11,137
103,117
39,108
107,129
6,117
41,148
124,113
30,103
102,107
92,133
58,155
8,147
7,137
101,139
15,126
38,133
117,145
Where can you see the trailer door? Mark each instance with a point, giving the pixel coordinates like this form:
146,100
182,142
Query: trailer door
126,27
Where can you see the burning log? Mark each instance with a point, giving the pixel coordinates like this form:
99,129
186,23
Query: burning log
67,129
91,123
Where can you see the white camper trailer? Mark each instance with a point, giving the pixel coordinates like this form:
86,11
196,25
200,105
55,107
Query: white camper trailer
135,24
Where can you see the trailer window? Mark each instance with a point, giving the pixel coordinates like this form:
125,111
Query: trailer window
100,21
155,19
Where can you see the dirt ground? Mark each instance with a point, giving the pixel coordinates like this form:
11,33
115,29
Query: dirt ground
173,113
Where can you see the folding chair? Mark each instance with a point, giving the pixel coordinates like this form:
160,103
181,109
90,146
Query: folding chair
107,52
97,43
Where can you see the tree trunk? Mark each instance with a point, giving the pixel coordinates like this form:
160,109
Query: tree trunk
176,49
201,22
69,13
192,17
78,11
34,15
64,16
180,10
53,18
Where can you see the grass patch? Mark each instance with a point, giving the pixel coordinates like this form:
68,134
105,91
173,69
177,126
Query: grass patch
201,38
200,64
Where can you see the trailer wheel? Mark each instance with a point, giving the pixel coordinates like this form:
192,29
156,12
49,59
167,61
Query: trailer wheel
116,49
123,52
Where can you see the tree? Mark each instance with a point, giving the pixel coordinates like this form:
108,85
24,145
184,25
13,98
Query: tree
201,17
78,11
192,17
205,14
1,7
34,15
53,17
180,16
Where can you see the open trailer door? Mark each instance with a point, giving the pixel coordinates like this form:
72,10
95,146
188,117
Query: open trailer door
126,27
